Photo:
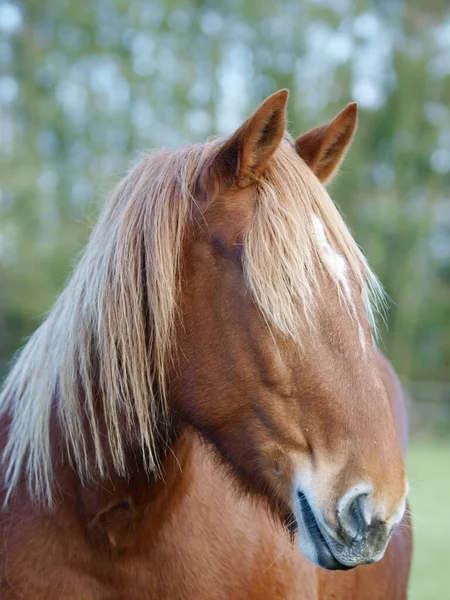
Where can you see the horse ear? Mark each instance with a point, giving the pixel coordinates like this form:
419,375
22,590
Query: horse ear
245,154
324,148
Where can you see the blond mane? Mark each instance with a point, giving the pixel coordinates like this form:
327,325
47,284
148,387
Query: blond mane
98,362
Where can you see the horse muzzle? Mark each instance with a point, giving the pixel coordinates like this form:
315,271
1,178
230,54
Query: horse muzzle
359,535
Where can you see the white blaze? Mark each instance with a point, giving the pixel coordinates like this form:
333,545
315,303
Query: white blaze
336,265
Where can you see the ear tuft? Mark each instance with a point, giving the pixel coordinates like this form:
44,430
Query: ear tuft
324,147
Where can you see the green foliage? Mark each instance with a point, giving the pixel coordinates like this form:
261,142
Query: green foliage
88,85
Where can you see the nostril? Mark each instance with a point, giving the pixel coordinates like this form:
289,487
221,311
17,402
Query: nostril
357,514
352,516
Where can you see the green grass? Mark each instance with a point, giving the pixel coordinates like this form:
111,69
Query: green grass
428,466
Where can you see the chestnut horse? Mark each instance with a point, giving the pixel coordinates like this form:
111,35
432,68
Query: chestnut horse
206,394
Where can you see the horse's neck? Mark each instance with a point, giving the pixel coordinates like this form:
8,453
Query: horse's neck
112,511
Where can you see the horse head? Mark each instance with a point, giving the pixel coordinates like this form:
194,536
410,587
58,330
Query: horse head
276,364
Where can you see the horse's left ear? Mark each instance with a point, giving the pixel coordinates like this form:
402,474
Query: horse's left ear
324,148
244,156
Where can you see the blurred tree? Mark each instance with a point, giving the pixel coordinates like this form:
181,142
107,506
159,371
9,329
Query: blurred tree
85,86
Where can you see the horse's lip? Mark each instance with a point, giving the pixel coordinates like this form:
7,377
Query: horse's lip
325,555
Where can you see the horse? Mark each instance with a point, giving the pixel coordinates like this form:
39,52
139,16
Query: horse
204,412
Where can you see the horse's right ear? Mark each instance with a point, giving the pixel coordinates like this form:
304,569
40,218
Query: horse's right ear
244,156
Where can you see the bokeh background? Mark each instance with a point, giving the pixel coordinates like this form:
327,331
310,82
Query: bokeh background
87,85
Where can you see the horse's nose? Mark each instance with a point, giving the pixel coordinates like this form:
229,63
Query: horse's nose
355,531
361,520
